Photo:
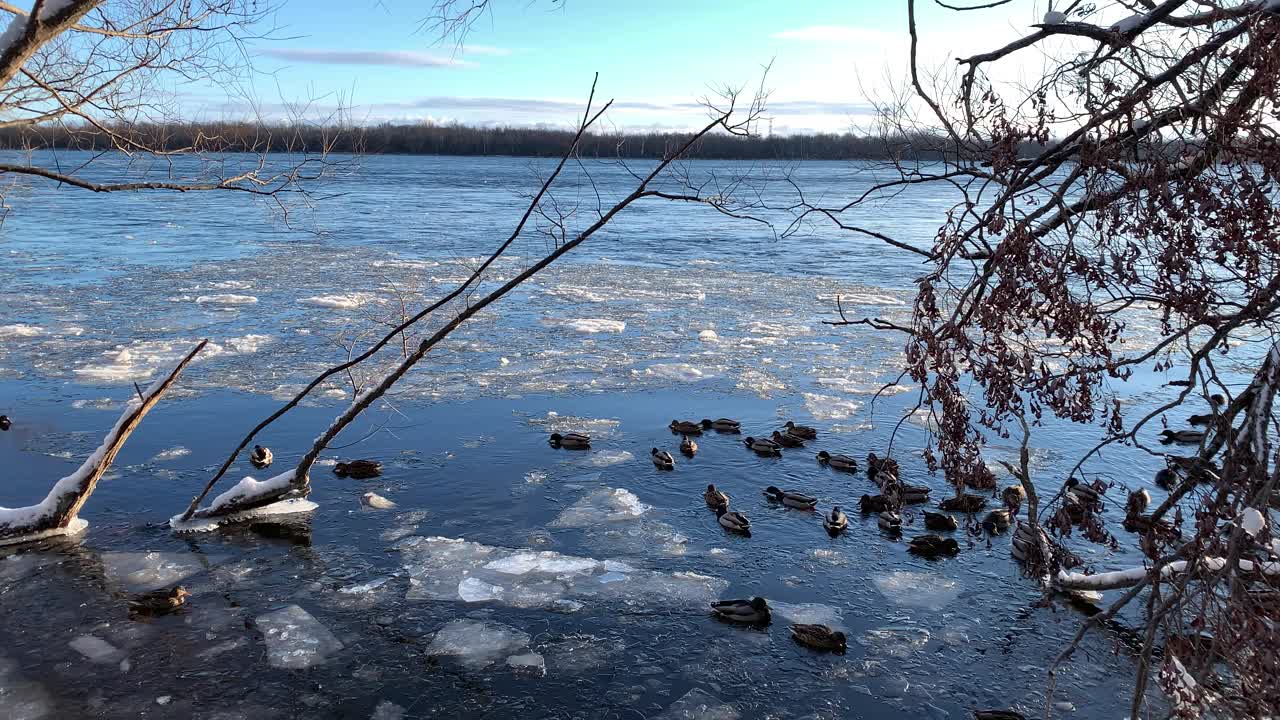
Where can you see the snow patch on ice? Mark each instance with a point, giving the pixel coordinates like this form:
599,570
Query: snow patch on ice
227,299
593,325
283,507
349,301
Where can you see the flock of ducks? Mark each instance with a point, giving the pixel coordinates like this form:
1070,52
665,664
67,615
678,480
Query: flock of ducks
886,504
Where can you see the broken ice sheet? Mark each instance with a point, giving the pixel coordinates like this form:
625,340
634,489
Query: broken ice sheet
477,644
698,704
916,589
295,639
895,642
601,506
809,613
442,568
154,570
22,699
96,650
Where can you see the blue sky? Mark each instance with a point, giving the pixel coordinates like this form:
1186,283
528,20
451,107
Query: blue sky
529,62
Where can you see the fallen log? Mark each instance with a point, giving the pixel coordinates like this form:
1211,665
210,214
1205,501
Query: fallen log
1134,576
246,500
57,513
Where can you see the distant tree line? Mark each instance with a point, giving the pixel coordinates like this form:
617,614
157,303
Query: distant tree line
458,139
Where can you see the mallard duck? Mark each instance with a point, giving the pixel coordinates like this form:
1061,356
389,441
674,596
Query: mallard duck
787,440
996,521
763,446
1200,419
801,431
5,422
1013,495
570,441
358,469
998,715
753,611
715,498
874,503
835,521
688,446
722,425
838,462
685,427
965,503
1166,478
933,546
819,637
1185,437
791,498
1086,494
877,466
1140,523
158,602
662,459
890,521
939,521
1137,502
912,493
733,521
1217,400
261,457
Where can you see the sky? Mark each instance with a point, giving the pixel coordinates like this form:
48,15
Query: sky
531,62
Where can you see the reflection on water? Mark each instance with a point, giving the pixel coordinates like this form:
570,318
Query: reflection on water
510,577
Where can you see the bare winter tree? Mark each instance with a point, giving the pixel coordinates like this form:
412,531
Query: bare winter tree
1115,215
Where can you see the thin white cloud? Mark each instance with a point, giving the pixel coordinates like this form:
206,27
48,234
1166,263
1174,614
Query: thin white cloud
390,58
824,33
470,49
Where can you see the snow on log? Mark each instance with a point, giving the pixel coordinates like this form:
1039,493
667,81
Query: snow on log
1133,576
56,514
246,500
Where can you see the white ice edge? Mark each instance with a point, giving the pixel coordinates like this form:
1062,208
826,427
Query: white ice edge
282,507
1132,576
75,527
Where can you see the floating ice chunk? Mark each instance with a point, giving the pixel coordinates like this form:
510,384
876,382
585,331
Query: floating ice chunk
809,613
895,642
295,639
544,561
682,372
1252,521
387,710
365,587
828,407
350,301
376,501
226,299
230,285
170,454
698,704
531,663
96,650
605,458
476,590
601,506
154,570
20,330
708,336
593,325
916,589
22,699
477,644
222,647
247,344
777,329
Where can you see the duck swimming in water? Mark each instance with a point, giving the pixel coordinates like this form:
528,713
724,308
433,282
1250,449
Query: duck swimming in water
965,503
570,441
662,459
996,521
5,422
877,466
835,521
724,425
939,521
838,462
358,469
874,504
752,612
733,521
801,431
819,637
787,440
890,521
260,457
790,498
158,602
1183,437
715,498
763,446
932,546
685,427
688,446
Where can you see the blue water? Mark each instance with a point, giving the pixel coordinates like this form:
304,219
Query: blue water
675,311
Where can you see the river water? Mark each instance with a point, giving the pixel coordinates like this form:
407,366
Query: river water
511,577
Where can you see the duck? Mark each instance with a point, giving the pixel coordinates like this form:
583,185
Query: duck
819,637
801,431
570,441
763,446
1141,524
358,469
158,602
261,457
996,521
965,503
890,521
1084,493
715,498
724,425
1204,419
733,521
877,466
838,462
1137,502
787,440
685,427
940,521
790,498
662,459
835,521
688,446
753,612
5,422
1166,478
1185,437
933,546
1217,400
912,493
874,503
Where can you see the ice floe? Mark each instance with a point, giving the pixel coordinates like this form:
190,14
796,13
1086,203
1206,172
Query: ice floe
20,330
171,454
154,570
22,699
916,589
602,506
681,372
829,407
295,639
698,704
809,613
477,644
605,458
227,299
96,650
349,301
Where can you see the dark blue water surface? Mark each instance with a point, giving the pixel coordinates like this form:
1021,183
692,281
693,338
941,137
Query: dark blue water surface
674,311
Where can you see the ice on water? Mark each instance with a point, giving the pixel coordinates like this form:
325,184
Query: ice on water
21,698
96,650
605,505
454,569
476,643
295,639
909,588
809,613
698,704
617,523
154,570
